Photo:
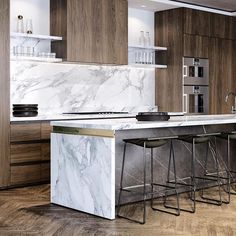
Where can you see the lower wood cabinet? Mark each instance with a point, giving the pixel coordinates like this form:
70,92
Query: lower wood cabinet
29,153
23,174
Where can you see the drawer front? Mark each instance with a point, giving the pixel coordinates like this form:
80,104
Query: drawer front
25,152
45,130
45,172
25,132
45,151
25,174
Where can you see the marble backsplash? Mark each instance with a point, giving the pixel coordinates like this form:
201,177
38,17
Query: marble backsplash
65,87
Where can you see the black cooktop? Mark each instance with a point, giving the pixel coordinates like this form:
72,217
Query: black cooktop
96,113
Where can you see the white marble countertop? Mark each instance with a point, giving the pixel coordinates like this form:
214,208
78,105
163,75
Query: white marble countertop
132,123
55,117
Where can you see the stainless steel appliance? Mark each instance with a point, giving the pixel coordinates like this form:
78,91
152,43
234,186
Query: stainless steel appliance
195,85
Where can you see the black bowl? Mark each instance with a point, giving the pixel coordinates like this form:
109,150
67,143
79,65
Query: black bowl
25,113
152,116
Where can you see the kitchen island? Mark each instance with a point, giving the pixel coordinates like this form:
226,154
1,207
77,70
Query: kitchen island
86,156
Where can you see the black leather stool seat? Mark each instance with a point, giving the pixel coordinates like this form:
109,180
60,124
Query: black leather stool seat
231,135
150,142
199,138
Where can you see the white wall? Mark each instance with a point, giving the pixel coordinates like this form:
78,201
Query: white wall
37,10
140,20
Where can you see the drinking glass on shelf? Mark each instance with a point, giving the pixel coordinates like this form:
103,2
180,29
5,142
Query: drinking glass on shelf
29,26
148,39
30,51
20,24
142,39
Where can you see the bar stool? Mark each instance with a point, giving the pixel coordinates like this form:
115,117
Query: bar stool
150,143
194,140
229,136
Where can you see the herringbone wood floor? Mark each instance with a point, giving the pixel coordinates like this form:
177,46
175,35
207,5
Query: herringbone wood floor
27,211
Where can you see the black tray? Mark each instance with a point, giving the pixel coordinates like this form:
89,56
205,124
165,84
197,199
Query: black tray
25,105
25,109
25,113
152,116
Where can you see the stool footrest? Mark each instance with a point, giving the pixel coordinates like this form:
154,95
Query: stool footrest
178,183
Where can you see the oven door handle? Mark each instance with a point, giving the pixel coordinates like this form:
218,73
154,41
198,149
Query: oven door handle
185,103
185,71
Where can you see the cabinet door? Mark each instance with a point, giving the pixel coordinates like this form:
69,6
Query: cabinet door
169,33
196,22
221,26
21,132
96,30
24,174
221,79
196,46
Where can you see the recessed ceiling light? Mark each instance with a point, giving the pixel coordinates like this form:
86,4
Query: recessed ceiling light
143,6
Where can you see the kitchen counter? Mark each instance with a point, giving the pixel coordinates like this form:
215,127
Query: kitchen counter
86,156
56,117
126,124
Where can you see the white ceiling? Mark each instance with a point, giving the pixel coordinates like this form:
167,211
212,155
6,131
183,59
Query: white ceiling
160,5
150,5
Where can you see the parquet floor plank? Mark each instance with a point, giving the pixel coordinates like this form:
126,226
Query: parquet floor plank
27,211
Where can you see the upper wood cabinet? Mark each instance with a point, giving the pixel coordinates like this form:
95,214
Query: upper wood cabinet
222,26
93,31
196,46
197,22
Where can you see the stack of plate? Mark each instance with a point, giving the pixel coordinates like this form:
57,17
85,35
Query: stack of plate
152,116
25,110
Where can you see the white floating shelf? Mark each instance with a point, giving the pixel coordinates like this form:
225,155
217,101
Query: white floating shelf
35,36
148,66
148,48
38,59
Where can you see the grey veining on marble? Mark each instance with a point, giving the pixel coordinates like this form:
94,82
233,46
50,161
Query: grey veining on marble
128,124
83,173
60,87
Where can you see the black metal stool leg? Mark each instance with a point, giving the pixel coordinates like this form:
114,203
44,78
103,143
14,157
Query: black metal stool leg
144,183
172,156
229,166
121,180
211,178
193,179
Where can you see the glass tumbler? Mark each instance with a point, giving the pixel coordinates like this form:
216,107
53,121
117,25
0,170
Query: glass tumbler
20,24
29,26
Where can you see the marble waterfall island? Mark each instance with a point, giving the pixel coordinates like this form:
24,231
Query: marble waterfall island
86,156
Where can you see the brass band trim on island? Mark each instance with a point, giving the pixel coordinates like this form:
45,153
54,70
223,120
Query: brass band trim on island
84,131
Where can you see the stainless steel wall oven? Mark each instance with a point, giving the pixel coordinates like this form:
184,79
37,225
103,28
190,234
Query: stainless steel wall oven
195,85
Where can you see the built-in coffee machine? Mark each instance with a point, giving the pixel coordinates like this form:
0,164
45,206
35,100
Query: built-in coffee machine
195,85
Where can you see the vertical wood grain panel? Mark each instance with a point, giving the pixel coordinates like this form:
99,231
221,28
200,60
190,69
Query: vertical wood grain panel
221,26
197,22
169,33
58,26
221,79
4,92
196,46
95,31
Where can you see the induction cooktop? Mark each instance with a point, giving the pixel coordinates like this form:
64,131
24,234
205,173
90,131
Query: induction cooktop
95,113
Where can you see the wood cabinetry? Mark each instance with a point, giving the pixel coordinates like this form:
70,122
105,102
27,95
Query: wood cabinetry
29,152
94,31
221,79
221,26
193,33
4,91
196,46
169,33
197,22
